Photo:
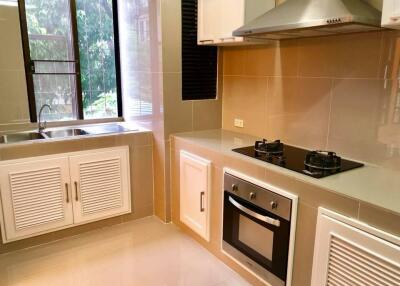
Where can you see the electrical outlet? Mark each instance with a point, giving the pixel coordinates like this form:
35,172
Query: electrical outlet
239,123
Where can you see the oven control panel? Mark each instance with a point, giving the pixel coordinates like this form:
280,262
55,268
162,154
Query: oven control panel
264,198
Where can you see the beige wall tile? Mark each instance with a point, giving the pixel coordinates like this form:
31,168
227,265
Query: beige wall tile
327,92
244,98
357,55
234,59
207,114
316,57
171,38
287,58
167,181
159,180
13,92
11,54
142,176
304,245
380,218
13,96
178,114
357,113
175,181
298,110
260,60
275,59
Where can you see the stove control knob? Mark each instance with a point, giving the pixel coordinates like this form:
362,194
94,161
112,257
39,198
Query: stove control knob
252,196
235,188
274,205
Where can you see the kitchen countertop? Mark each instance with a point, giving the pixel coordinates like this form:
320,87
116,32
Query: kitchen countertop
372,184
130,128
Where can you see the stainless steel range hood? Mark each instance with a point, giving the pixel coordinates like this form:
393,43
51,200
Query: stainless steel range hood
311,18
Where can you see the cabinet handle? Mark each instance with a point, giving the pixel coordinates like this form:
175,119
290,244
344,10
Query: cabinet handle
206,41
227,38
201,201
76,191
395,18
67,192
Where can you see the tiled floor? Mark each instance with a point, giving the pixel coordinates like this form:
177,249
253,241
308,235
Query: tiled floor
142,253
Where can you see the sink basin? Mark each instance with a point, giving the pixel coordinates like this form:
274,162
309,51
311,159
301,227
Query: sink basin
62,133
65,133
104,129
20,137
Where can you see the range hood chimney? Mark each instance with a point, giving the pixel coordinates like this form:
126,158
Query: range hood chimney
313,18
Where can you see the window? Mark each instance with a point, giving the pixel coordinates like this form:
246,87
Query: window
72,58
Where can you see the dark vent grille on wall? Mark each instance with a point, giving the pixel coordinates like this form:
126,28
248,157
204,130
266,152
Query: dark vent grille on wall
199,63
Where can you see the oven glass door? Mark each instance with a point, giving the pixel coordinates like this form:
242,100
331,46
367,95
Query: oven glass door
260,235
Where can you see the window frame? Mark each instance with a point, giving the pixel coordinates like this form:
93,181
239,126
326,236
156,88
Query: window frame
74,29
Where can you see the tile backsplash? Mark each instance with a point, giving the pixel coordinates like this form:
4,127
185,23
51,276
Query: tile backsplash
339,93
13,93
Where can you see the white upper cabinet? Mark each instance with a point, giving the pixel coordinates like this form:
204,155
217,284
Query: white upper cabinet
391,14
217,19
35,197
194,193
101,186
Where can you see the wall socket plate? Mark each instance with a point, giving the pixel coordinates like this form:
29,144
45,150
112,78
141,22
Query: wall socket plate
238,123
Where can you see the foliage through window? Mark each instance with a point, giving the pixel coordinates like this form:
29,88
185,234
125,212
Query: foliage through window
72,59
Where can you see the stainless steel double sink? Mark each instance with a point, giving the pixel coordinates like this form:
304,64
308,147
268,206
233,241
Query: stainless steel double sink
62,133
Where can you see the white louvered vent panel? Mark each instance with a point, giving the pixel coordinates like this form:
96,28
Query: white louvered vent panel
100,185
350,265
37,197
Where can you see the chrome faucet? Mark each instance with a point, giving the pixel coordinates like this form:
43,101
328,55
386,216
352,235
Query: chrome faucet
42,125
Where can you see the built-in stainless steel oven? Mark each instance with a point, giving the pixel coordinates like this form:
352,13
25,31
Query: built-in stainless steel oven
258,227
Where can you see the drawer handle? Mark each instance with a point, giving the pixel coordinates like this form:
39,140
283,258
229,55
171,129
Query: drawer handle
201,201
67,192
206,41
76,191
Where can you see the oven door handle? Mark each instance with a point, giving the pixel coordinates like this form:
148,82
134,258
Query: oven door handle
263,218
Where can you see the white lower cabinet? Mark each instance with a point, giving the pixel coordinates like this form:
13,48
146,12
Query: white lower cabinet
348,252
44,194
100,185
35,197
195,193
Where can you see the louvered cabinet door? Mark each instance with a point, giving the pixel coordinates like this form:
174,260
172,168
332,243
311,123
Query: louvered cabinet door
347,255
35,197
101,185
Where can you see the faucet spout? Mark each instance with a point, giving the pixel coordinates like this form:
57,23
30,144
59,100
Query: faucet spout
42,125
